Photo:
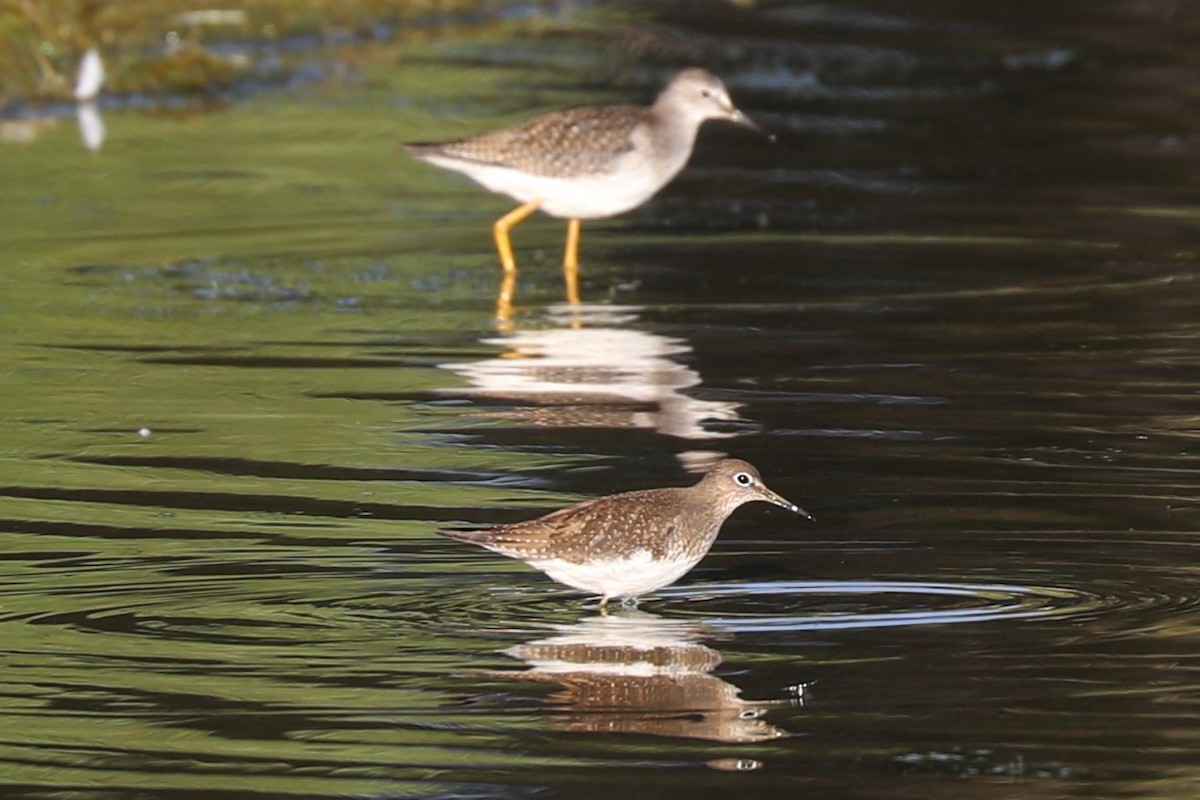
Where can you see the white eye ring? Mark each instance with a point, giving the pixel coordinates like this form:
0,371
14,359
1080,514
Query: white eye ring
743,479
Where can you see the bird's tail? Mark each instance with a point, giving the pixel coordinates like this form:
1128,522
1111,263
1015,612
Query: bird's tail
471,535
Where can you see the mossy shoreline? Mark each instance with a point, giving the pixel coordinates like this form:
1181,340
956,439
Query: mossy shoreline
167,47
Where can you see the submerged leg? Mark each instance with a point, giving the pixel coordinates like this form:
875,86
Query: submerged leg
571,262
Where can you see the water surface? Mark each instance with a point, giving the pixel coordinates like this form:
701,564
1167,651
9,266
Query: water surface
251,367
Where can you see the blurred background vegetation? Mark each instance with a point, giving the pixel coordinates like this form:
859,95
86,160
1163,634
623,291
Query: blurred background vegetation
176,46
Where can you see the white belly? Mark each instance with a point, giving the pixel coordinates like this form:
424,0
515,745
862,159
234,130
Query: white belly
631,182
635,575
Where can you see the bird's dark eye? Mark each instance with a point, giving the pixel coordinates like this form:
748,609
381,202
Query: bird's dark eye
706,93
743,479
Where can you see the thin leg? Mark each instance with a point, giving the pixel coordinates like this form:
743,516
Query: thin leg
571,262
500,231
604,604
508,285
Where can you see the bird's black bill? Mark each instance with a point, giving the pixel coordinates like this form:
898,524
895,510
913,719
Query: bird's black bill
782,502
739,118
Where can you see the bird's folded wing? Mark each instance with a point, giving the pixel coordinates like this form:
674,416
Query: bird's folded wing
561,144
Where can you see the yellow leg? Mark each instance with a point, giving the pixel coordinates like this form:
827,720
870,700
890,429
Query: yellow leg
508,285
571,262
500,231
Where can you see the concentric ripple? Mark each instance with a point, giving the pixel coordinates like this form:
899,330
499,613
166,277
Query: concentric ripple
839,605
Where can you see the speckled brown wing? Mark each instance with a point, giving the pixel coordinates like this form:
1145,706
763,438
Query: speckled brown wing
620,523
561,144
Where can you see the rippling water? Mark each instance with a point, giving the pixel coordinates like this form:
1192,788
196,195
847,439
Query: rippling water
251,368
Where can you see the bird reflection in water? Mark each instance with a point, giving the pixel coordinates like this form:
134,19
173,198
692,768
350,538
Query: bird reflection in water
91,125
591,370
634,672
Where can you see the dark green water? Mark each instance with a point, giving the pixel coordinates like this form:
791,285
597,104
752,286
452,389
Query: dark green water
250,366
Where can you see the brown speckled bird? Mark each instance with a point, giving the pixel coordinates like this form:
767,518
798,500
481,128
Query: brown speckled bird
588,162
630,544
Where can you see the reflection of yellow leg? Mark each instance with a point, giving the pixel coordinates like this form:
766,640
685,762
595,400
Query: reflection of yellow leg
500,232
571,262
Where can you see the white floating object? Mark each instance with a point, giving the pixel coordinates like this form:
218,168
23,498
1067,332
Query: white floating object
91,76
144,432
